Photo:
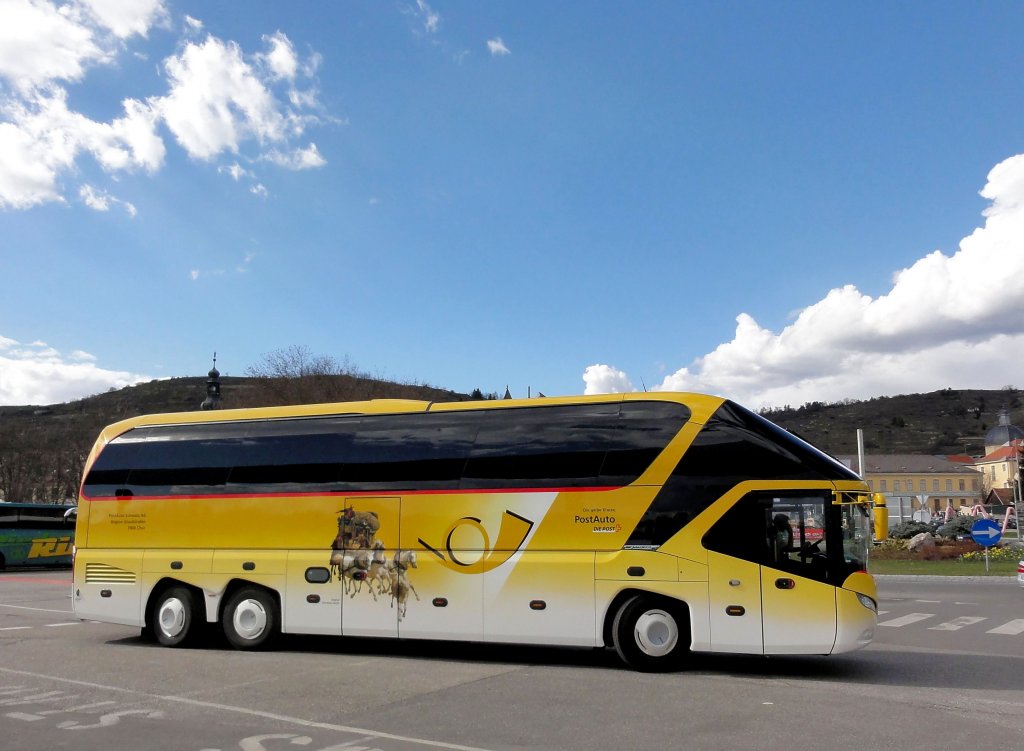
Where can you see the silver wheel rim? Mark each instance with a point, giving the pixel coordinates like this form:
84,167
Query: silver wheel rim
249,619
171,617
656,633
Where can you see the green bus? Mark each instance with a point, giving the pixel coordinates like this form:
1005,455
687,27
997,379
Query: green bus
36,534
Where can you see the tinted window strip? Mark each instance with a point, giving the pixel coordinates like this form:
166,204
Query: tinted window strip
600,445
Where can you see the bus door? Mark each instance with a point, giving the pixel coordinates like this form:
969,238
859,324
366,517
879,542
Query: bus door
767,575
799,607
364,561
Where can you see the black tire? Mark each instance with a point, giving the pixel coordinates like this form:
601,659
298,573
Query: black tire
651,634
173,618
251,619
3,562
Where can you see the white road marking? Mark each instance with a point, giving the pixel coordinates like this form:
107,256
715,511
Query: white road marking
39,610
882,612
957,623
1012,628
14,628
46,696
40,714
243,710
930,602
906,620
58,625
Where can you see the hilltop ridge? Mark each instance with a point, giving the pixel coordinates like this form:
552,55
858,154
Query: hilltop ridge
946,422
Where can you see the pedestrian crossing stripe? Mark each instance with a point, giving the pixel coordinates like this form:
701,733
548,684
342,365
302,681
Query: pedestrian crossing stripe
906,620
957,623
1010,628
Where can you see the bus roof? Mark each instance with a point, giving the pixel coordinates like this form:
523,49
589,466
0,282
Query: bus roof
702,406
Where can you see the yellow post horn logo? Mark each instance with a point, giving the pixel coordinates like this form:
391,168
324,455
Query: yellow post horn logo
511,535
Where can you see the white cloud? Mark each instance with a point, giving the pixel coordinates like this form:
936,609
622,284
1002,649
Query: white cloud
217,101
430,18
236,171
41,42
197,274
246,263
242,268
43,138
100,200
37,374
259,189
94,199
28,172
948,321
604,379
497,47
126,18
299,159
281,60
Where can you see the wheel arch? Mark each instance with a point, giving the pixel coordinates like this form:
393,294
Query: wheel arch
674,605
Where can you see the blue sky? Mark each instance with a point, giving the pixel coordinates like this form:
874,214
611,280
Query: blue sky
778,202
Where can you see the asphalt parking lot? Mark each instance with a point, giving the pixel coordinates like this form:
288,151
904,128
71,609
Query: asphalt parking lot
66,683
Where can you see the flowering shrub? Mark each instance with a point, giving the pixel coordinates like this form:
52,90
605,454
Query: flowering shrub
896,550
995,554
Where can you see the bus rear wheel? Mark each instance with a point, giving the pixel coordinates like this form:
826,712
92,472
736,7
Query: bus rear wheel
250,618
173,620
651,635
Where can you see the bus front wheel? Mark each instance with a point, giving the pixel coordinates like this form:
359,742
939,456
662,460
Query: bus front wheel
650,634
173,621
250,618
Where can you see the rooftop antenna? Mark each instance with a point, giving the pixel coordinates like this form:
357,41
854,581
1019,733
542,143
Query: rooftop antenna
643,384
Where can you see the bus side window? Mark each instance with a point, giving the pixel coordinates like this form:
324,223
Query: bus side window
781,531
796,534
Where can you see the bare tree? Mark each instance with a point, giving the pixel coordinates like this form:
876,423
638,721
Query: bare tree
294,375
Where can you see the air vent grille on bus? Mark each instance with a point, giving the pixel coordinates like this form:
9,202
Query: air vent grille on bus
102,573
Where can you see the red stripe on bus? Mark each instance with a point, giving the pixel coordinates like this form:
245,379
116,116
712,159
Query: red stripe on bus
352,494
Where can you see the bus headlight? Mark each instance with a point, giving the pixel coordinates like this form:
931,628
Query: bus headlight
868,602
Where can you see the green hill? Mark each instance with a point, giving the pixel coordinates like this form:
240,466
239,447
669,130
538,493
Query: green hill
941,422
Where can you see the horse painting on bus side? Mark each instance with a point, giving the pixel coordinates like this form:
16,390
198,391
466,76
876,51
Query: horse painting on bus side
358,557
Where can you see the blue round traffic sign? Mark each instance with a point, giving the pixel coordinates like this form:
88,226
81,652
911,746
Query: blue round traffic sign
986,532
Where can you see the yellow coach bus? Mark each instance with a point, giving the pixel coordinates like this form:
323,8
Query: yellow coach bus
658,523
